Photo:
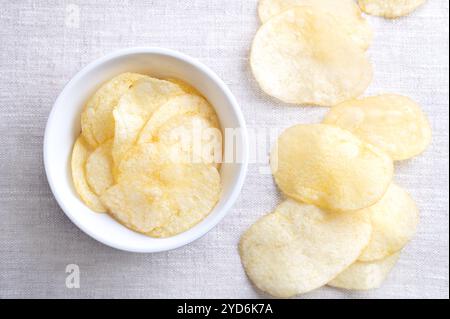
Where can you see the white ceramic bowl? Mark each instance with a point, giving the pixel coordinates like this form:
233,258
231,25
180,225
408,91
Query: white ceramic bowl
63,127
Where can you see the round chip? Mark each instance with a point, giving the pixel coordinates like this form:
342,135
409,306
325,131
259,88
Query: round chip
391,122
329,167
135,108
304,56
186,104
80,154
347,11
97,122
300,247
365,275
394,221
187,88
390,9
99,168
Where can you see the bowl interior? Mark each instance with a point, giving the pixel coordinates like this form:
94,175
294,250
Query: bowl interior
64,127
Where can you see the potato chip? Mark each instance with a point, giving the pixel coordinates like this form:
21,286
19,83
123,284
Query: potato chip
394,221
160,198
305,56
329,167
99,168
80,154
135,108
347,11
391,122
97,122
186,104
390,8
300,247
365,275
187,88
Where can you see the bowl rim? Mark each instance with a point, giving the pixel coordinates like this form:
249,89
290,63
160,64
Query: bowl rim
238,184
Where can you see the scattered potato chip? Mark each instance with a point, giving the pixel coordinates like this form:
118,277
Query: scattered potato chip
300,247
99,168
394,221
186,104
305,56
97,122
329,167
390,8
391,122
160,198
347,11
135,108
365,275
80,154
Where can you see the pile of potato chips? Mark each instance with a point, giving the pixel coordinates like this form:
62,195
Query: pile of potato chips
344,222
149,154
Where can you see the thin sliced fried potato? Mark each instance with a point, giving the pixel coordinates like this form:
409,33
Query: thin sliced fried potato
390,9
300,247
99,168
394,220
329,167
160,198
365,275
135,108
393,123
347,11
97,122
186,104
187,88
304,56
80,154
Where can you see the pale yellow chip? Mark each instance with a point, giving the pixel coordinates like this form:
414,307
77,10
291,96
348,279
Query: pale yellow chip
390,8
394,220
97,122
300,247
329,167
80,154
186,104
187,88
99,168
135,108
305,56
347,11
160,198
394,123
365,275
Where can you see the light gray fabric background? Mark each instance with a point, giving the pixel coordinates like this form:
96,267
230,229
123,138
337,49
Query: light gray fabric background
42,45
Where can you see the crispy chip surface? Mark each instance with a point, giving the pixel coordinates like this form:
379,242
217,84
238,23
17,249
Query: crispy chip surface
99,168
365,275
329,167
394,221
304,56
80,154
393,123
300,247
135,108
390,8
97,122
347,11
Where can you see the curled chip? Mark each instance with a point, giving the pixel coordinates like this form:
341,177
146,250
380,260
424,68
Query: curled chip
97,122
99,168
135,108
390,8
394,221
80,154
391,122
347,11
305,56
329,167
300,247
186,104
365,275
